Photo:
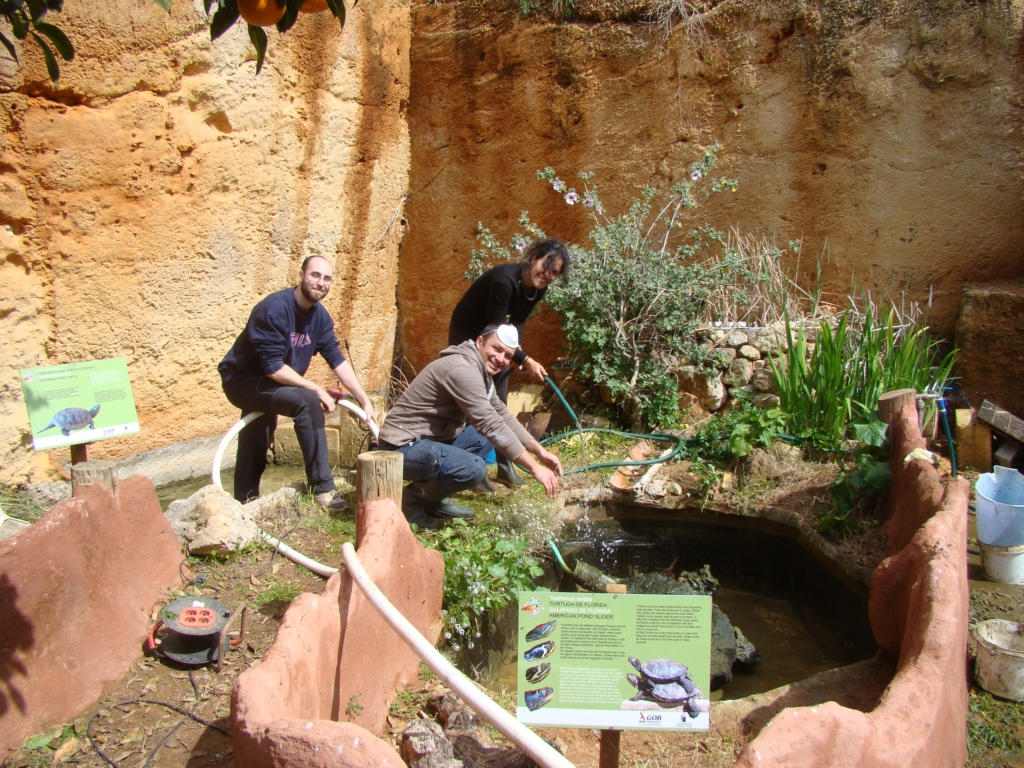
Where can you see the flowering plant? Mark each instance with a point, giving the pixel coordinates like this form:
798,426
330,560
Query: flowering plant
481,572
633,299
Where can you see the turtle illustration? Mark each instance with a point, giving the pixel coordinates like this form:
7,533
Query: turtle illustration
665,681
538,673
540,651
541,631
664,694
72,418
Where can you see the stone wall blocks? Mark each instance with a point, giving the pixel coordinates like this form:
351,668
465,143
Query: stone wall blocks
736,339
740,373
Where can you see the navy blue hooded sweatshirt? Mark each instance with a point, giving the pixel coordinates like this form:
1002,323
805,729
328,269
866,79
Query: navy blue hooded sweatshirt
279,333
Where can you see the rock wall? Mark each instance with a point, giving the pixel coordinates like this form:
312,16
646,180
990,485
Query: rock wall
76,594
888,133
162,188
989,329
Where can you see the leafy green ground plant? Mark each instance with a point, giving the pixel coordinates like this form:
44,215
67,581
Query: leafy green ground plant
482,571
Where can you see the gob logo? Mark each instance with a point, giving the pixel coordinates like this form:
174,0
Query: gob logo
650,719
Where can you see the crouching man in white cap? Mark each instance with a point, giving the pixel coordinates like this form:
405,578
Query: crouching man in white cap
428,426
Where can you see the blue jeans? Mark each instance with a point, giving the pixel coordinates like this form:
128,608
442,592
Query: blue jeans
457,464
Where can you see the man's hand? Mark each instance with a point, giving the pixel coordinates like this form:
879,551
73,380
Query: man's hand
368,409
551,461
536,369
325,400
547,478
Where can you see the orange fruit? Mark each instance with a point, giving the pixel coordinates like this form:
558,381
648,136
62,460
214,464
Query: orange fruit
260,13
313,6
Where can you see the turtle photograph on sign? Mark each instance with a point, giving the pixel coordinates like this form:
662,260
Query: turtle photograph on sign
79,403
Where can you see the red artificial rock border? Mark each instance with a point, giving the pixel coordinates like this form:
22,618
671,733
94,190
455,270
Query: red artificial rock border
334,646
918,611
76,594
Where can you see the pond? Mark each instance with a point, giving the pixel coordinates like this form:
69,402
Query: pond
276,476
800,611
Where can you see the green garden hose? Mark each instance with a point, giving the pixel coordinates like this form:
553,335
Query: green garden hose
558,556
658,437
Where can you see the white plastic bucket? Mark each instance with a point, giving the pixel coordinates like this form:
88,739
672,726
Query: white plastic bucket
1000,667
1003,564
999,504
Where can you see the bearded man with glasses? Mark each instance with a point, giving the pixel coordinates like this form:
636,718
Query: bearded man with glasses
265,371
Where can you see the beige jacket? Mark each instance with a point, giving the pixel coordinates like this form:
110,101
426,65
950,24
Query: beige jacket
450,391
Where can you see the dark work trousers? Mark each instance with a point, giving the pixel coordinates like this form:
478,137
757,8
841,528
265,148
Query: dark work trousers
261,393
456,464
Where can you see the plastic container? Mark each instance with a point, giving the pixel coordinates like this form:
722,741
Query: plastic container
1002,564
999,502
1000,667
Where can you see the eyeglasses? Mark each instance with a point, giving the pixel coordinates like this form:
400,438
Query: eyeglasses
551,273
316,277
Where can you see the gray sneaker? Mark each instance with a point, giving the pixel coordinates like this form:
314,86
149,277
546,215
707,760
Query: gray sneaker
332,501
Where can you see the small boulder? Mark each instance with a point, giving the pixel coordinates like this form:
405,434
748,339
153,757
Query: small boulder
723,357
769,341
690,404
749,352
736,339
758,365
765,400
745,393
740,373
424,745
210,522
764,381
708,388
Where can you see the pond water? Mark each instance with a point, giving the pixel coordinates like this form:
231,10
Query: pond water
275,477
801,615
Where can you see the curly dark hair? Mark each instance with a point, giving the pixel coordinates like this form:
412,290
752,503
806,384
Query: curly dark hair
550,250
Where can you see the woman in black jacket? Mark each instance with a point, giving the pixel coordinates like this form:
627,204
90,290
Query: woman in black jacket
508,294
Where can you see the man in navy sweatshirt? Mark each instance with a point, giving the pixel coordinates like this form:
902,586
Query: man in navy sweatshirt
265,371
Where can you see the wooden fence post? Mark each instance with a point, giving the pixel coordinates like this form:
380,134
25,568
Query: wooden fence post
94,473
378,476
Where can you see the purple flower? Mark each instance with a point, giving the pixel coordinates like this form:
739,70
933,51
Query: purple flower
571,197
558,185
696,175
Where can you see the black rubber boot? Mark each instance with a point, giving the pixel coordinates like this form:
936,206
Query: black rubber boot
414,513
432,496
507,472
485,488
448,508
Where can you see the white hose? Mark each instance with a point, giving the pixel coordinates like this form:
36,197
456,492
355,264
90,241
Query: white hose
533,745
318,568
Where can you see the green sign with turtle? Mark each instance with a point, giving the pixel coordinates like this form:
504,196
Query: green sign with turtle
79,402
595,660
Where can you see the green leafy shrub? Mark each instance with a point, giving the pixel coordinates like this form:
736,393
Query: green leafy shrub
632,301
481,572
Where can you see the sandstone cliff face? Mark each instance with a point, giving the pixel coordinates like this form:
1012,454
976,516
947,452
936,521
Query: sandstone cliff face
154,196
889,131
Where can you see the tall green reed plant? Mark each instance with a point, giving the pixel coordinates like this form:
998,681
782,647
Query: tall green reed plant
853,363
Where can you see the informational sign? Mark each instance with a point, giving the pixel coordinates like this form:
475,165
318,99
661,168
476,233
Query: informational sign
614,661
79,402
